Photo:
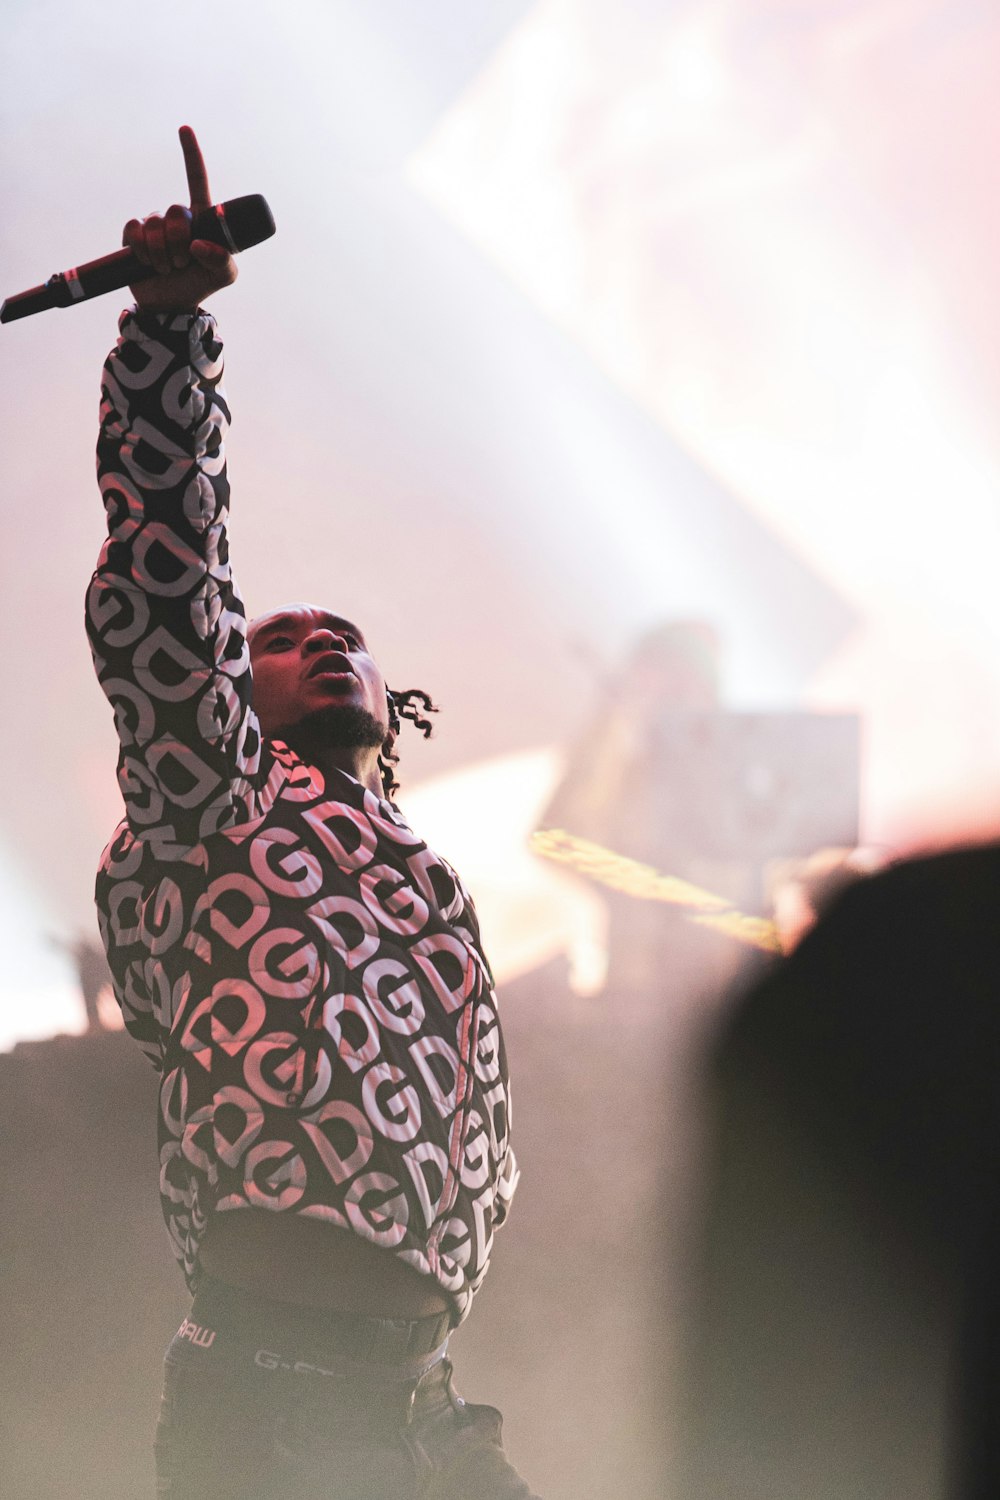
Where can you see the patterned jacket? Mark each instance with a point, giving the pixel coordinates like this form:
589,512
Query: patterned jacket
303,971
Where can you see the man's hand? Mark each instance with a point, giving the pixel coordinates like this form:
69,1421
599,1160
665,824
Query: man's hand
187,271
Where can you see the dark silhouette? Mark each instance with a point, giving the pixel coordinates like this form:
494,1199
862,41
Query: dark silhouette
848,1301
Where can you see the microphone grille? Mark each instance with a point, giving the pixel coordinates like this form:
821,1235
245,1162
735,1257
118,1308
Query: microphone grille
248,220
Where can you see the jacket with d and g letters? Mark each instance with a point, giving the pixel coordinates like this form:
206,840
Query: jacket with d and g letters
303,971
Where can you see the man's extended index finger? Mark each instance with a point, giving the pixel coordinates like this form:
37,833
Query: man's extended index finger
194,165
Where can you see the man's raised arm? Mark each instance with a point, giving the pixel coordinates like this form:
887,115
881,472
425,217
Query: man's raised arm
166,625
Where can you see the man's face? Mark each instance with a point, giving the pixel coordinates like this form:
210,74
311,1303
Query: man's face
304,660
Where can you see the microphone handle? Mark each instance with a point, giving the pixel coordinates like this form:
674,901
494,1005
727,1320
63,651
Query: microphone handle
110,272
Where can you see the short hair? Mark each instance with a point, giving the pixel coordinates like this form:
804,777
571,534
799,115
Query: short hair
412,704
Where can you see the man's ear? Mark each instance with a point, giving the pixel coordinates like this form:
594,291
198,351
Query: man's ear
389,742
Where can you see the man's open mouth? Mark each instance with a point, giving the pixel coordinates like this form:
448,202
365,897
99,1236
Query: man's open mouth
330,664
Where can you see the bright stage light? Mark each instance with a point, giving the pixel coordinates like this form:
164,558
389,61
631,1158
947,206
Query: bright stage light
719,206
693,67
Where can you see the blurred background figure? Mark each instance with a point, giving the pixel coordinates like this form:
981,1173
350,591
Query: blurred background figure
604,797
666,775
94,977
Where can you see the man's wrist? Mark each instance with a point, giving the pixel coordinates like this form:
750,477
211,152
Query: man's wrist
185,311
175,328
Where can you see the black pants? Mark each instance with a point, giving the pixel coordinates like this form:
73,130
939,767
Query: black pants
266,1402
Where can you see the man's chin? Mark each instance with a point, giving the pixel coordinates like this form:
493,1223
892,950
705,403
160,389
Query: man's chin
337,726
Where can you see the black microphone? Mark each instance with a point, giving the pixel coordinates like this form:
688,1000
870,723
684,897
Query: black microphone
236,225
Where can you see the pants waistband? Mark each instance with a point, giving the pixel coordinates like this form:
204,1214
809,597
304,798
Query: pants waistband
409,1346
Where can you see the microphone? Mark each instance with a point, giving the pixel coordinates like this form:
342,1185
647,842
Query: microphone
236,225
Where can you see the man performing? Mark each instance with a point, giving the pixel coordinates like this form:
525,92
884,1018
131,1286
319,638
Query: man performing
302,970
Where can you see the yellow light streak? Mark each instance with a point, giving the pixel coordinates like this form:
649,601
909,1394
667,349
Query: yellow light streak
646,883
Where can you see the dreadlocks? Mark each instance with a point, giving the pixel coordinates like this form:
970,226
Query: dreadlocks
412,704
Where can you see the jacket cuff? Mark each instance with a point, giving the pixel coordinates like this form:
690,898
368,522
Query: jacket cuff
176,329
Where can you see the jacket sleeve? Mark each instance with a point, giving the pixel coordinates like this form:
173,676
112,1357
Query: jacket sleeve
165,622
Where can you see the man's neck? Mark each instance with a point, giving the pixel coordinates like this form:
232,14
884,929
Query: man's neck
361,764
337,740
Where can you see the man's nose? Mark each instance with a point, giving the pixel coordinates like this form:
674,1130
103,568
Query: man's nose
324,639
